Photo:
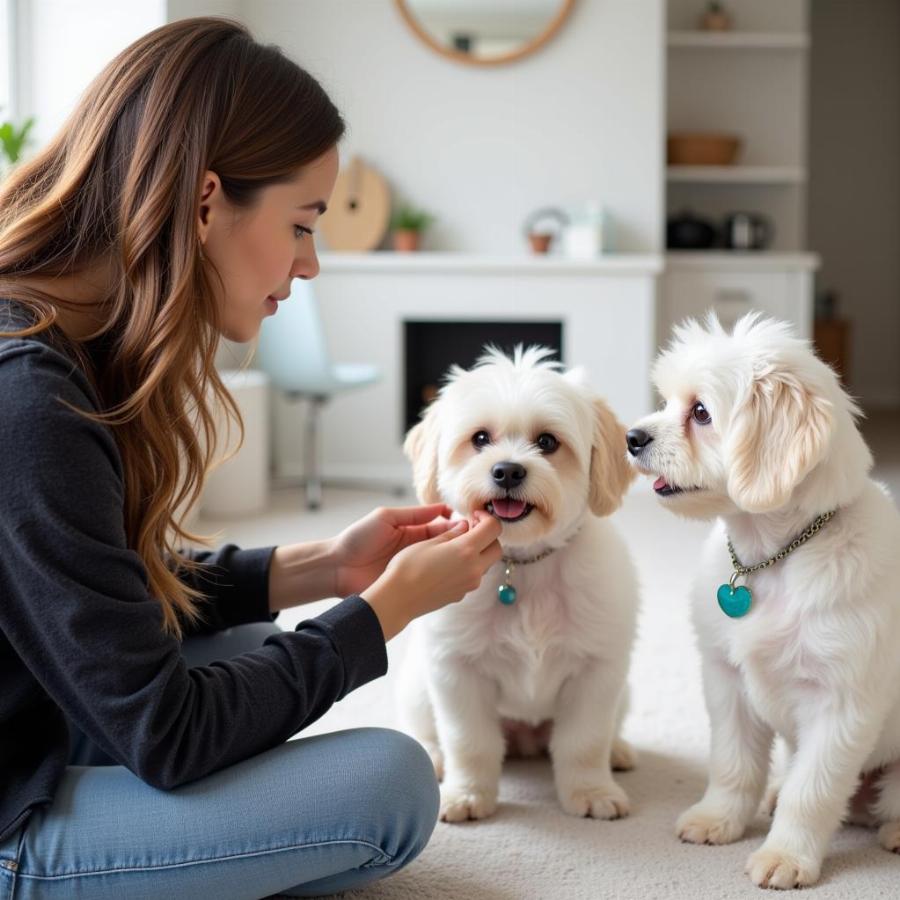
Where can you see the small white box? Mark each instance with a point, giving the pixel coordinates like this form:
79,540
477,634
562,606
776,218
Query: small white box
583,238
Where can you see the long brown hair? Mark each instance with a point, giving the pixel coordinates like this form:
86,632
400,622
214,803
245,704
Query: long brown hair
120,183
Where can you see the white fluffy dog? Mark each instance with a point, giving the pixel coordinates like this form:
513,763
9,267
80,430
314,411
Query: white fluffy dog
757,431
548,661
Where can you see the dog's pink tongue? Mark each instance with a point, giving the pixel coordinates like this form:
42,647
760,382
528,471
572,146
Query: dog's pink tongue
659,483
508,509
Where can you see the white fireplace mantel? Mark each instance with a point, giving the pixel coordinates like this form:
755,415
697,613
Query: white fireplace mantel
460,263
607,308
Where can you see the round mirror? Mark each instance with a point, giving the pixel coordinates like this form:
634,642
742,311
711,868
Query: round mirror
485,32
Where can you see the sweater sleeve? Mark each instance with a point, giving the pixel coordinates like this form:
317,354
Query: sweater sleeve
77,609
235,585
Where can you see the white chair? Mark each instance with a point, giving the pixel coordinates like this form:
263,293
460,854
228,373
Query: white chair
293,352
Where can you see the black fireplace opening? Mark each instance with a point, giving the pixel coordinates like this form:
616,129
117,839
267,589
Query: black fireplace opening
431,347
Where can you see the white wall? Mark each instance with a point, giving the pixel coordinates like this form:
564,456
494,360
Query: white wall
580,120
854,190
64,44
7,62
185,9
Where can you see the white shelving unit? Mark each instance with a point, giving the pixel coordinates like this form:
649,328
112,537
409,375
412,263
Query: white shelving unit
737,40
750,81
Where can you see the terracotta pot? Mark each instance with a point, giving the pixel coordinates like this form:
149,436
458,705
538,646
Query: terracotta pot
540,243
406,241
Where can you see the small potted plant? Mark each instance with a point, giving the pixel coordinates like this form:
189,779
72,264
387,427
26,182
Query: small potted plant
12,142
407,225
542,226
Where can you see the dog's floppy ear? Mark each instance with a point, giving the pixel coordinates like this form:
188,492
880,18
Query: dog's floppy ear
610,473
421,448
778,433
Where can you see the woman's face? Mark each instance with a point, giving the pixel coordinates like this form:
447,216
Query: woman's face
258,250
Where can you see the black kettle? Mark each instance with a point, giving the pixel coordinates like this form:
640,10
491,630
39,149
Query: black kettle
685,231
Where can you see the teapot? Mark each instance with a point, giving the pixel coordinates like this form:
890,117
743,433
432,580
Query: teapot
747,231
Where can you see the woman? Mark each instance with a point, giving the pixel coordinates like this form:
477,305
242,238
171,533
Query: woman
175,207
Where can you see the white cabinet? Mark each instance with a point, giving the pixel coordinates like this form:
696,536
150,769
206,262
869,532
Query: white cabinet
732,285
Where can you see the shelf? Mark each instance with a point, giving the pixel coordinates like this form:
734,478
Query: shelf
463,263
737,40
741,260
736,174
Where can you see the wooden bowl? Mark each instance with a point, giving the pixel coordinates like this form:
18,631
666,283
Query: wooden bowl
698,149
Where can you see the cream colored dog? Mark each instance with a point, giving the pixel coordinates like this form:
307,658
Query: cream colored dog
757,431
539,451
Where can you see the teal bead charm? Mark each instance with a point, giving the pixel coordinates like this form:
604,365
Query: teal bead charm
734,601
506,593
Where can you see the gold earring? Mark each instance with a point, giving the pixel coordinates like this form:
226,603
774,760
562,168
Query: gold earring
200,250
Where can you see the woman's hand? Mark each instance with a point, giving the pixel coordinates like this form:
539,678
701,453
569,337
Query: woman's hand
432,573
362,551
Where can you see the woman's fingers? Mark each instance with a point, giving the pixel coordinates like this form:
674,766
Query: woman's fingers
416,515
438,526
412,534
484,532
491,555
454,529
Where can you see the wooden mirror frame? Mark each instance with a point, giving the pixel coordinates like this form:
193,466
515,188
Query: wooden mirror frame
465,58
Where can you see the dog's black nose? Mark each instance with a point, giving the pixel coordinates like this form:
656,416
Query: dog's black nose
637,439
508,475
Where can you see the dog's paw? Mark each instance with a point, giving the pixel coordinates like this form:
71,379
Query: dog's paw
622,758
601,801
459,804
706,825
770,867
889,836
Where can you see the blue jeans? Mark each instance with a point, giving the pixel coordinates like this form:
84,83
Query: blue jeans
310,817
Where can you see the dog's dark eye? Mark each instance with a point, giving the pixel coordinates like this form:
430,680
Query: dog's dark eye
700,414
547,443
480,439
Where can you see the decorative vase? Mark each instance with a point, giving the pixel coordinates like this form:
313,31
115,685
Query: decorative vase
406,241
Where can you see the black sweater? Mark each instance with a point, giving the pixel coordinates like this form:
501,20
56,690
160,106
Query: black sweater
81,637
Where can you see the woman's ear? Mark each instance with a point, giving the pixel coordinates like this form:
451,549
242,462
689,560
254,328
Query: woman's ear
610,473
211,198
421,448
779,432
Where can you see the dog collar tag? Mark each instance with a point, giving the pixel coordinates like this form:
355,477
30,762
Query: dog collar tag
506,593
734,601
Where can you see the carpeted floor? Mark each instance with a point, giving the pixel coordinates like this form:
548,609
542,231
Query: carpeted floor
531,849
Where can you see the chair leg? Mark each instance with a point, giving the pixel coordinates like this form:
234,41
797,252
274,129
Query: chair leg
313,475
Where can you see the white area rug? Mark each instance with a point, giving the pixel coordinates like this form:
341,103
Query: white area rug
530,848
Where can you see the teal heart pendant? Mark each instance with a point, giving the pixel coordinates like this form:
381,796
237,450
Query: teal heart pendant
734,601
